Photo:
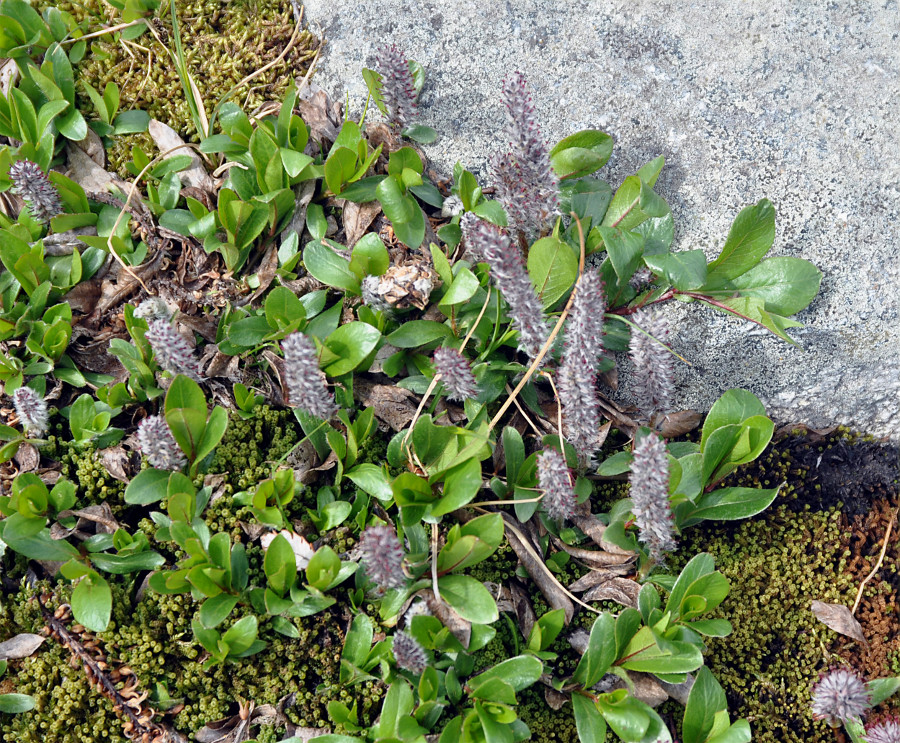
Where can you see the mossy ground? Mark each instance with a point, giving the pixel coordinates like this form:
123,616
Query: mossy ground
223,42
797,551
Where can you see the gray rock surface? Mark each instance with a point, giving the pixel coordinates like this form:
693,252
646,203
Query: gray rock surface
798,102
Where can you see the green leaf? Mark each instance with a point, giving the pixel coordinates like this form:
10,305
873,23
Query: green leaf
415,333
363,190
625,715
624,250
589,722
739,732
339,168
634,203
147,486
731,504
283,308
280,565
514,452
706,698
212,433
215,610
241,635
249,331
420,133
712,627
753,308
553,268
581,154
323,568
294,162
369,257
600,652
462,289
372,479
131,122
330,268
37,546
92,602
461,485
12,704
123,564
785,284
881,689
351,343
733,407
358,641
519,672
698,566
749,239
471,600
686,270
187,426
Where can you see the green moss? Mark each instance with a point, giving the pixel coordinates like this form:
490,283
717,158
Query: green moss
223,43
777,565
251,447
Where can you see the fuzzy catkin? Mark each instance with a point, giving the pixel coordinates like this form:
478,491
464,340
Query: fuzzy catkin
884,731
172,352
839,695
654,365
526,183
30,182
382,556
554,480
157,443
578,372
650,496
508,272
408,653
456,374
398,90
304,380
32,411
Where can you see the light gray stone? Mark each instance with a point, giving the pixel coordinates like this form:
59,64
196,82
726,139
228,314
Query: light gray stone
798,102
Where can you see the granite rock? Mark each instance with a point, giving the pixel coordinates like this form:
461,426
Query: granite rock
798,102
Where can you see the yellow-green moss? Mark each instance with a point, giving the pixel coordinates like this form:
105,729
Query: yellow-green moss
223,43
777,565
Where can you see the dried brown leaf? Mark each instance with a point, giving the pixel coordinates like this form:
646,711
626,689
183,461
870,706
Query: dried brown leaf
93,147
839,618
266,272
591,525
83,297
358,218
116,461
539,572
621,590
555,699
594,578
27,457
598,558
101,515
322,116
460,628
393,406
195,174
678,424
20,646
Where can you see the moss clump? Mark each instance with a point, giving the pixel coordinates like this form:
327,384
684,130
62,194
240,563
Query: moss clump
777,565
223,43
83,467
250,447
